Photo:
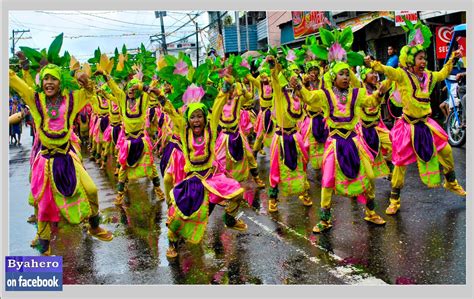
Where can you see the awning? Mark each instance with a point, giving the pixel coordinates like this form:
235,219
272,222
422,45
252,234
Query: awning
363,20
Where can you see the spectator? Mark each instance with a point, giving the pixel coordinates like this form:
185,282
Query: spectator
392,57
15,130
447,105
461,78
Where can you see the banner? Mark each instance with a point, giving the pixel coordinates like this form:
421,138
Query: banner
361,21
307,22
410,15
443,37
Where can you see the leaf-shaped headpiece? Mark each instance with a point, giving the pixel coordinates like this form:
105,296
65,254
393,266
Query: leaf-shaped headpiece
336,47
419,39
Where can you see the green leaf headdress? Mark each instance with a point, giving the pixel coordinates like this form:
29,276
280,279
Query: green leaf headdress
54,63
189,84
51,56
336,47
419,38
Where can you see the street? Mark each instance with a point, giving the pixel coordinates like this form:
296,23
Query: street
425,243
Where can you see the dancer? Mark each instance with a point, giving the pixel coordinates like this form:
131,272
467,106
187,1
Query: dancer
264,126
372,128
418,137
314,128
346,167
135,148
194,198
67,191
234,156
288,152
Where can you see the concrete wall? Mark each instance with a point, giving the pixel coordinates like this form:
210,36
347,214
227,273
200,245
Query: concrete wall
276,18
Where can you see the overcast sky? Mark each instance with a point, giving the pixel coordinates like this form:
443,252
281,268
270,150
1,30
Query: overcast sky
84,31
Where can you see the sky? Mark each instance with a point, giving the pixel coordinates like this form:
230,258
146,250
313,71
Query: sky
84,31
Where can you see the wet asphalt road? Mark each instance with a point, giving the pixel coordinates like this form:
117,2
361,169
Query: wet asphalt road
425,243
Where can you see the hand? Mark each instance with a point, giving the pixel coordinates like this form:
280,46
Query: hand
271,61
458,53
293,82
459,76
383,89
43,62
21,55
82,78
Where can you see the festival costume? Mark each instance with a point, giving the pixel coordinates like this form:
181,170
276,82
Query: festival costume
135,147
347,162
375,134
191,198
248,118
60,186
234,156
419,138
314,130
264,124
83,120
288,155
172,159
102,123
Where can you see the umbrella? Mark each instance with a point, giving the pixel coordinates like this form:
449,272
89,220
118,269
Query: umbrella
251,54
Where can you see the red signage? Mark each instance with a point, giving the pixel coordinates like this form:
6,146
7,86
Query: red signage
443,37
410,15
307,22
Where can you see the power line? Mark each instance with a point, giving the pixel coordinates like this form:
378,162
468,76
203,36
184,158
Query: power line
202,29
118,21
89,25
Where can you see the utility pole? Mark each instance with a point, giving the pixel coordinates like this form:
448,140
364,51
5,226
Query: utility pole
247,30
219,22
237,24
161,14
197,44
13,38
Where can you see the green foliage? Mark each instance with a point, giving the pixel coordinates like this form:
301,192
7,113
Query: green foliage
54,48
346,38
327,37
354,59
320,51
32,55
201,74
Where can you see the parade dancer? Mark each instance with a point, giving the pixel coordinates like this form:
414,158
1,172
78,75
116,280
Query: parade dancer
314,128
346,167
418,137
60,186
264,126
82,122
172,159
288,156
193,199
248,118
135,148
114,130
372,128
234,156
101,104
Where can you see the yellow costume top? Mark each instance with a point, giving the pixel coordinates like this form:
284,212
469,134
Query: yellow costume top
133,116
53,132
340,115
265,92
415,94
